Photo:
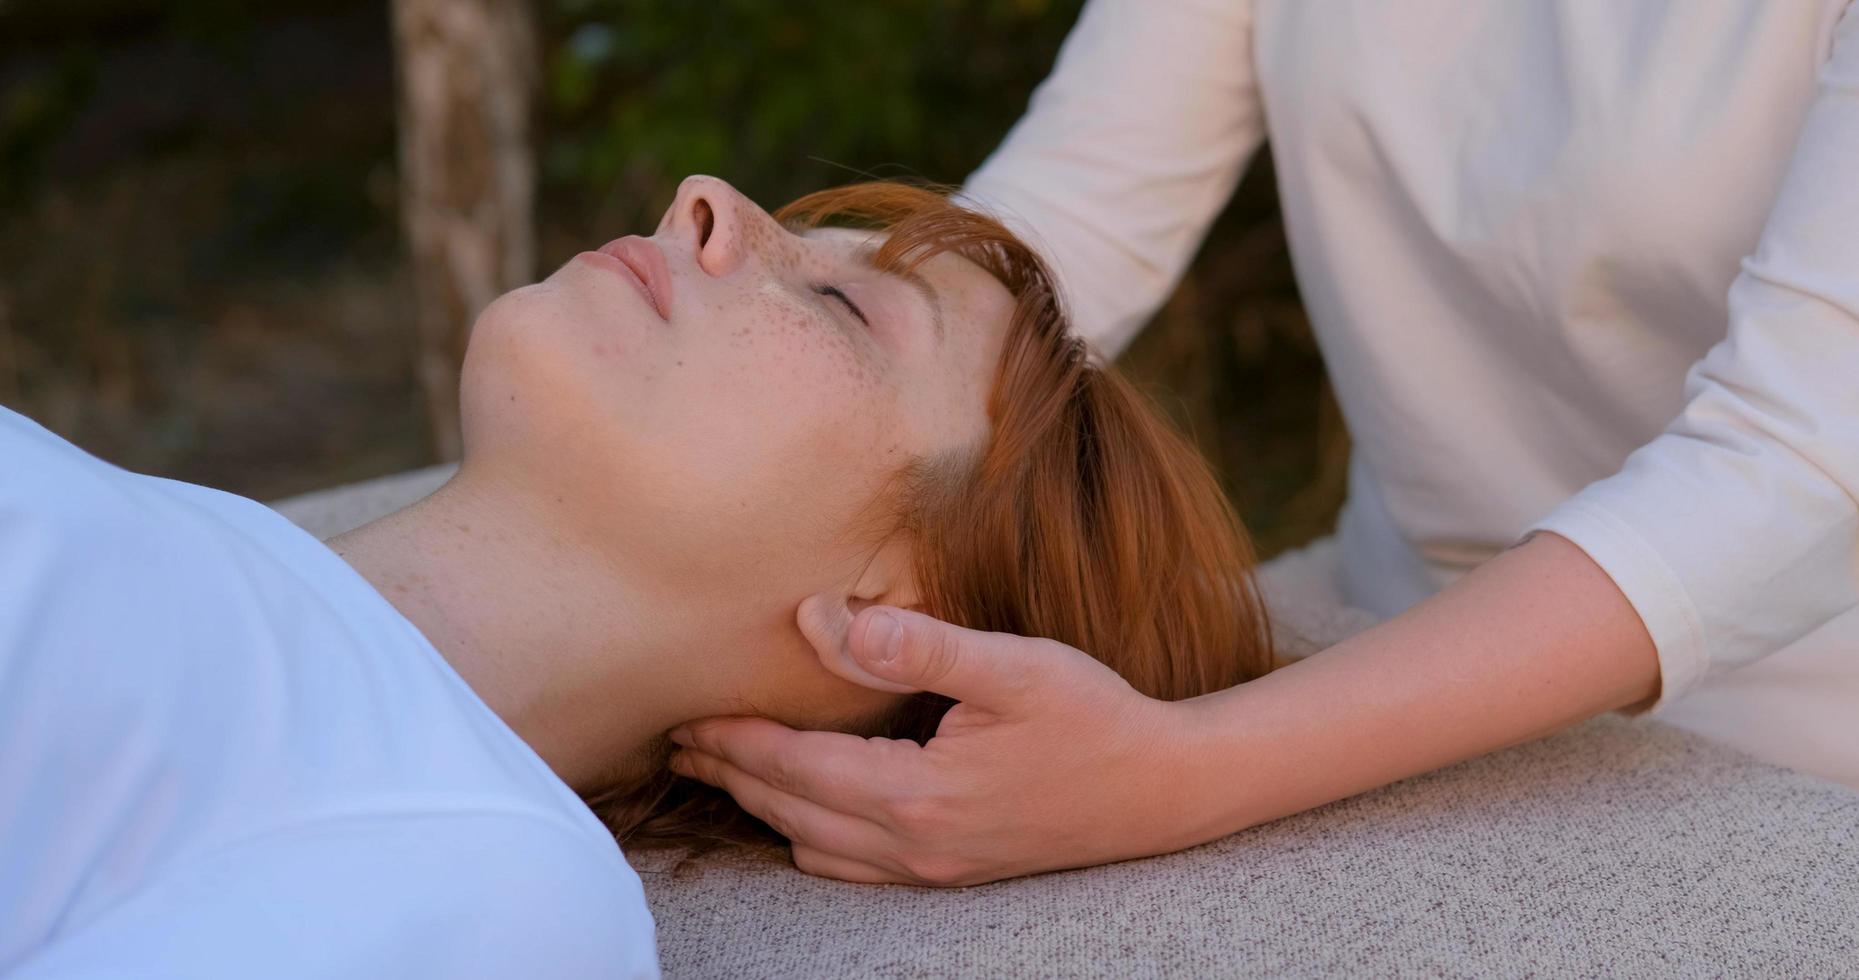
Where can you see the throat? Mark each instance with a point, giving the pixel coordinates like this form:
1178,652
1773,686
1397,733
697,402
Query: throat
551,635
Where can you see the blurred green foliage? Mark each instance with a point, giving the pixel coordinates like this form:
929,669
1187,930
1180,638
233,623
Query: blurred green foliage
33,113
779,98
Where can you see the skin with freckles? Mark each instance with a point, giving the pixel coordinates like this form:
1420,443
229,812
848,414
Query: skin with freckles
644,500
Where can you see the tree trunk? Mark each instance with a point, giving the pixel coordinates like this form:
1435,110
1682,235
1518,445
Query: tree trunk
468,75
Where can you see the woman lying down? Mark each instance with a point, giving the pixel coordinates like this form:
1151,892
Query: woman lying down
228,749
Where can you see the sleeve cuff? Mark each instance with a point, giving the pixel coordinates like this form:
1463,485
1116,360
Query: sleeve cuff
1650,585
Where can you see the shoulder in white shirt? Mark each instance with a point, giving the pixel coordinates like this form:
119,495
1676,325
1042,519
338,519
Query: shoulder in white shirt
223,754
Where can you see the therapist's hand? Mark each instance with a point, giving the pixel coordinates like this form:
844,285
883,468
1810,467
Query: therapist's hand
1051,760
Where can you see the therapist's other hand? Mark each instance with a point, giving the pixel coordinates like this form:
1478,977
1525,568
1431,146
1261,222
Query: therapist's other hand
1051,760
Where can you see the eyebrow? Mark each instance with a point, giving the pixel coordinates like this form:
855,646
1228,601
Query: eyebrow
867,254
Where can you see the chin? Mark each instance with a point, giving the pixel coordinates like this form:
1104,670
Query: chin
492,400
538,373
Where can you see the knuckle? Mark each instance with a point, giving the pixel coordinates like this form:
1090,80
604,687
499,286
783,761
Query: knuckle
780,820
701,767
1056,661
914,815
782,772
942,650
706,737
806,859
1052,651
933,869
1047,647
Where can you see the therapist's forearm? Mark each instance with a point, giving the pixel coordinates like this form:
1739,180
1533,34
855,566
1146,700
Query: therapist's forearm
1532,641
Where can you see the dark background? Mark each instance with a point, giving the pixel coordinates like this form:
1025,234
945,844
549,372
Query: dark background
201,268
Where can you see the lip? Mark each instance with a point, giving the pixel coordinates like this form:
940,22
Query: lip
641,263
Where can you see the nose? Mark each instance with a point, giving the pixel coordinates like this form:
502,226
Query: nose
716,222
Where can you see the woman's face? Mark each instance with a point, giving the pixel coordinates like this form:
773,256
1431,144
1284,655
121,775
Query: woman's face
726,399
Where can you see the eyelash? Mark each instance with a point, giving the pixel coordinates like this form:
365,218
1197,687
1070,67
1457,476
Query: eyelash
834,292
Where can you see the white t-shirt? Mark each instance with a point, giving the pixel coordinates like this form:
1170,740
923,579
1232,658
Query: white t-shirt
1589,267
224,754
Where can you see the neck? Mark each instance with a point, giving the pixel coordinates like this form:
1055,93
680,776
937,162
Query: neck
573,649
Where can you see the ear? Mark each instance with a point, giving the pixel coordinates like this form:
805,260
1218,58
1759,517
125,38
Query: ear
889,579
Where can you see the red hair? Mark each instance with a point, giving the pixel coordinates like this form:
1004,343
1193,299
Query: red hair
1085,518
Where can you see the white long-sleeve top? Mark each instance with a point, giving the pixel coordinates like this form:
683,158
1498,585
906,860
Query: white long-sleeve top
1591,267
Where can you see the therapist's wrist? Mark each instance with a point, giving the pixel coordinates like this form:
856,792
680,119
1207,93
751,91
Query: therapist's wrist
1261,751
1209,790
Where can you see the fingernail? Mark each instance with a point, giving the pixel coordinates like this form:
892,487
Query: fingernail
680,735
679,764
884,637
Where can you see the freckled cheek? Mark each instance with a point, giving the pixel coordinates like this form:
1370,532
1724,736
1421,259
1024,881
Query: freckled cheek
772,338
802,387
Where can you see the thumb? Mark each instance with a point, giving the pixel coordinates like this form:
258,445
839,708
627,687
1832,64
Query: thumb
893,649
826,622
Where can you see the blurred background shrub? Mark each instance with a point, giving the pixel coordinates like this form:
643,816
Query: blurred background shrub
202,273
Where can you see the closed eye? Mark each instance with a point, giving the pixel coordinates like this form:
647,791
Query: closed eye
833,291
